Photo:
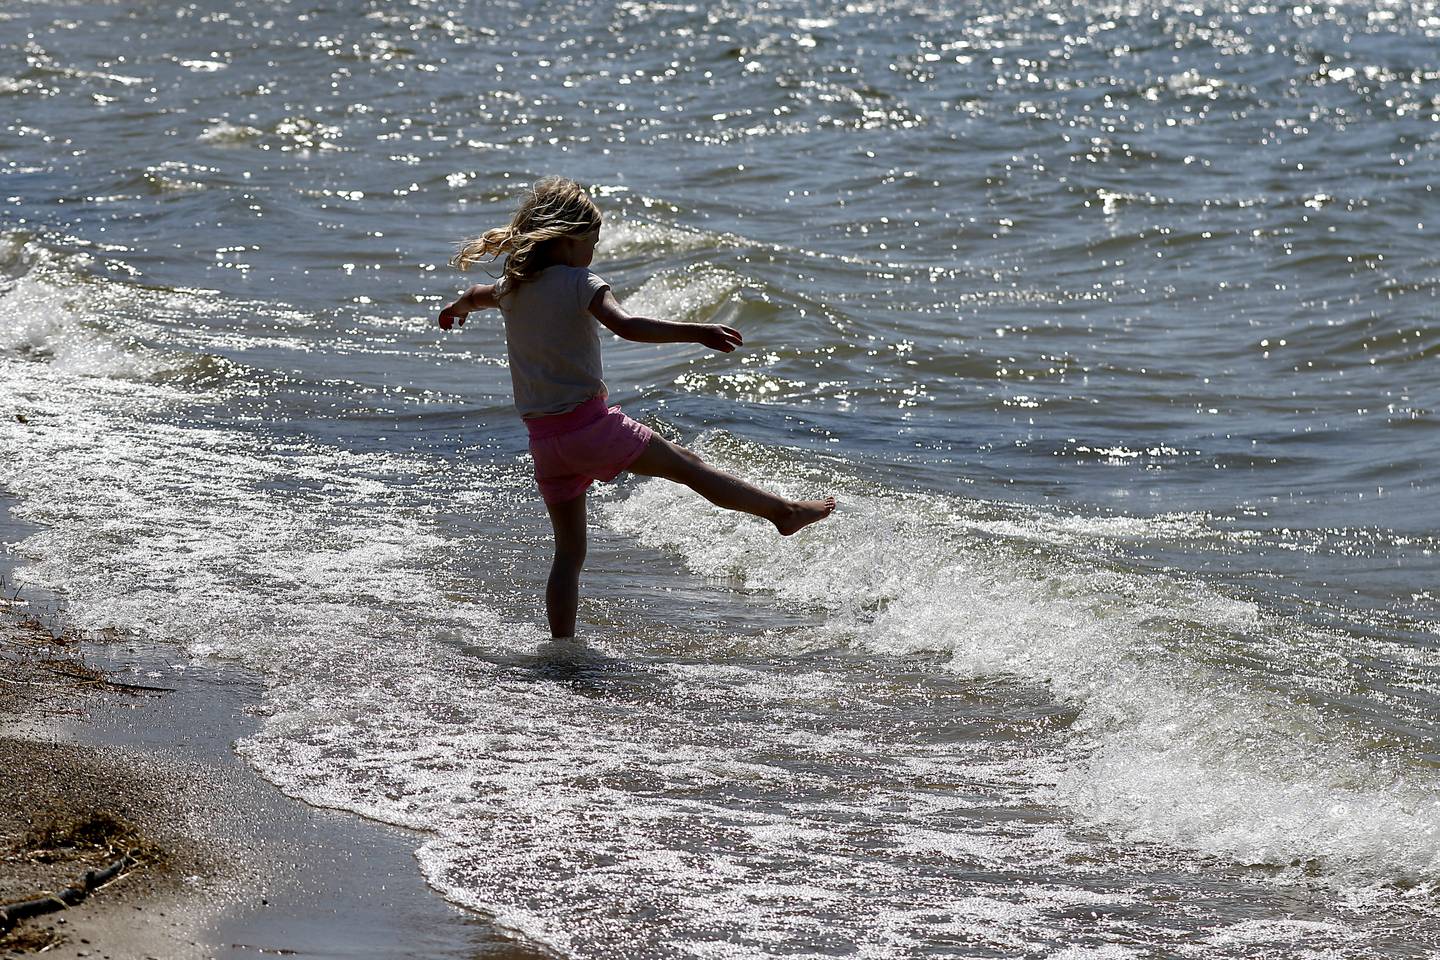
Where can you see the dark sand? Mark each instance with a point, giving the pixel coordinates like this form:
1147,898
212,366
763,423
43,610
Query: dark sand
229,867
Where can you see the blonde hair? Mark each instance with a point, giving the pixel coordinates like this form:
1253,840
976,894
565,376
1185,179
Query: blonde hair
554,207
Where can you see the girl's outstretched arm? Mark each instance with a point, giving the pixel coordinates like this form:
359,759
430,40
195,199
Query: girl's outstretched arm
479,297
608,311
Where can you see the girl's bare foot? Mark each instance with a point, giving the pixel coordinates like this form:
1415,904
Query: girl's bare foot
802,513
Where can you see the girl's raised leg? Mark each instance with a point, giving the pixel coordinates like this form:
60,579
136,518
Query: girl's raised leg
661,458
562,591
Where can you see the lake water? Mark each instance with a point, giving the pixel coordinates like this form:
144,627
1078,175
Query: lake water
1113,327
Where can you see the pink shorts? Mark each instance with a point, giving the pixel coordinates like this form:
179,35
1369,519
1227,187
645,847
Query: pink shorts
578,447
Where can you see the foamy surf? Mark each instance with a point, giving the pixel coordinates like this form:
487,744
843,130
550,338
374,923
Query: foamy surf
689,296
1185,733
630,238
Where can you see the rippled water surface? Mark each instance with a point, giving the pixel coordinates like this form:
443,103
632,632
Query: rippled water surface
1112,326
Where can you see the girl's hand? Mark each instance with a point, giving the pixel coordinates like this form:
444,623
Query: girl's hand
717,336
452,317
478,297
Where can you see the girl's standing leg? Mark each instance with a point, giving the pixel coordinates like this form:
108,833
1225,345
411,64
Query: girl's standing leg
660,458
562,591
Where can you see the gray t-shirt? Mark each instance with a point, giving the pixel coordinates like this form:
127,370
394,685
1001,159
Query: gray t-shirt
553,340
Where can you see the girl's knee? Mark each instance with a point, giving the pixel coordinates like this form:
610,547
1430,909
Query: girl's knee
569,559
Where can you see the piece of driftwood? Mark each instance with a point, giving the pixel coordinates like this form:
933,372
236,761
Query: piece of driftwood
102,680
13,913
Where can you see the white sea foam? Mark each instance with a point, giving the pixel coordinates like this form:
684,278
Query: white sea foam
623,238
690,295
40,320
1281,935
1170,747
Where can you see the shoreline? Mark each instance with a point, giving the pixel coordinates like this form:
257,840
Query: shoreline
119,744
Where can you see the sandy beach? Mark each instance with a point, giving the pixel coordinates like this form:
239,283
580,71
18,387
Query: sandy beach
116,747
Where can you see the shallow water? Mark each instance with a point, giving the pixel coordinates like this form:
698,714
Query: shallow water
1113,326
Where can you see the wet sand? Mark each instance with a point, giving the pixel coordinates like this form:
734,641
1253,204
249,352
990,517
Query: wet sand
227,865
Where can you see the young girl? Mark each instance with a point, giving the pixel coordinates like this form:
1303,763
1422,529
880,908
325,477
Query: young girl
550,301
